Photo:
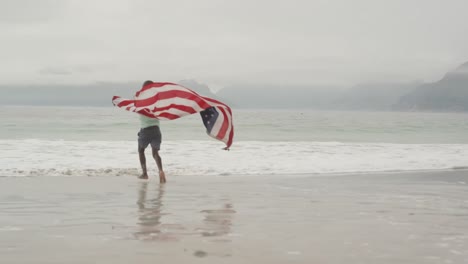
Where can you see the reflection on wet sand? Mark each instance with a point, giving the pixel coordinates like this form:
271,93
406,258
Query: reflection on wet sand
149,215
217,223
217,226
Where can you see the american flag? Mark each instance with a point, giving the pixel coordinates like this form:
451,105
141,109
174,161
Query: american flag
169,101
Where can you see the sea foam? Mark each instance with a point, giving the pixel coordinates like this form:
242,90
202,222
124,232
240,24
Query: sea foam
119,158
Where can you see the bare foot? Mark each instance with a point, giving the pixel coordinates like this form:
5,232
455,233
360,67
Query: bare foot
144,176
162,177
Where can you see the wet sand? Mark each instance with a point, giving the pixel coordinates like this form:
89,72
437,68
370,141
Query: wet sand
369,218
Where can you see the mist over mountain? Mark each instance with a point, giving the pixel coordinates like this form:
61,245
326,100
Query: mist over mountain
372,96
365,96
448,94
97,94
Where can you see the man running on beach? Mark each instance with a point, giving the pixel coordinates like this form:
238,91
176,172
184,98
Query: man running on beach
150,134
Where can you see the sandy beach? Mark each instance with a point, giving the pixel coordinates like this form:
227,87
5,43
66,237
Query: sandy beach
419,217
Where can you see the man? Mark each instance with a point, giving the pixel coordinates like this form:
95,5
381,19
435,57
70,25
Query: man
150,134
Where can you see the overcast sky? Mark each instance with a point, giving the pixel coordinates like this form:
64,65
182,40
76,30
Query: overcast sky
226,42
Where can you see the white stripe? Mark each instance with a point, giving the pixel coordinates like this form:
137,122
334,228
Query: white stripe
218,123
155,90
175,100
118,101
229,118
229,122
178,101
173,111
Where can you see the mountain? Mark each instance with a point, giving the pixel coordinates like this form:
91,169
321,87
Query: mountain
372,96
448,94
96,94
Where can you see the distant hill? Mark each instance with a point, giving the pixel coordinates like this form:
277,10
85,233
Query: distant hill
448,94
372,96
97,94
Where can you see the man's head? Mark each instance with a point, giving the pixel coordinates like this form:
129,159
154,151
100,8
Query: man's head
146,83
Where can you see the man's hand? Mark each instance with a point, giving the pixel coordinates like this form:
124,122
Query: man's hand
162,177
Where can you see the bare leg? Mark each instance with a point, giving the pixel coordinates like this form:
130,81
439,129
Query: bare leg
157,158
141,154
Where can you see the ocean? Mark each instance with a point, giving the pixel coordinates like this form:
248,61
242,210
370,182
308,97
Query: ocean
101,141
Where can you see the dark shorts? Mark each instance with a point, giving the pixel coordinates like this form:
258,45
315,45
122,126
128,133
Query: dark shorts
149,135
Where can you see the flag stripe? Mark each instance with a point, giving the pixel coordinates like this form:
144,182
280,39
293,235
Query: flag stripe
171,95
218,124
213,101
169,116
184,108
174,111
174,101
231,136
224,125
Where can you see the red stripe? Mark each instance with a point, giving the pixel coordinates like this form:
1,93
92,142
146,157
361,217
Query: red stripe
224,126
168,116
145,113
125,103
184,108
172,94
231,136
214,101
218,102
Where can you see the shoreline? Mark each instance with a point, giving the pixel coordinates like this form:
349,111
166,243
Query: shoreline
289,175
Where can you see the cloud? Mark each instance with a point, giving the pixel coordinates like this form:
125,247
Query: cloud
55,71
30,11
224,42
65,70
